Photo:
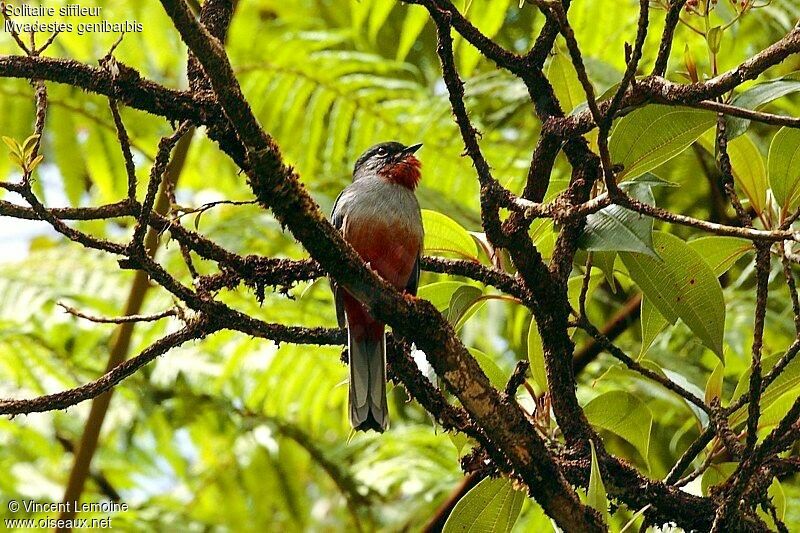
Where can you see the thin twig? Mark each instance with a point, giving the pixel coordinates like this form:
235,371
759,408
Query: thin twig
125,145
120,319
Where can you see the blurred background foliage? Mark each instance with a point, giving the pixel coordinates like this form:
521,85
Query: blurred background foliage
234,433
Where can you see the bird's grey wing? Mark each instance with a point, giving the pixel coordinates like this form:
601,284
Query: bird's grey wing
337,219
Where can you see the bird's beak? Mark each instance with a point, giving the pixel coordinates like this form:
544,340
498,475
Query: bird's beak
411,149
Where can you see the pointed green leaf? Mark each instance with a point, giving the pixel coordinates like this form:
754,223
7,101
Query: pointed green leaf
624,415
16,159
459,440
652,324
412,27
564,80
758,96
66,153
787,383
721,252
445,236
690,63
655,134
491,506
377,17
489,18
28,145
496,376
778,497
717,473
714,384
461,302
681,285
616,228
605,262
680,379
439,293
653,180
596,495
536,358
784,167
13,145
747,164
575,285
35,163
714,38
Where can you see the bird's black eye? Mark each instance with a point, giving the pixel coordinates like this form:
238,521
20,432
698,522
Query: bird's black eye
381,151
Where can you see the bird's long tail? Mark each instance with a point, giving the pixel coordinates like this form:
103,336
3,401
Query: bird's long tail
367,348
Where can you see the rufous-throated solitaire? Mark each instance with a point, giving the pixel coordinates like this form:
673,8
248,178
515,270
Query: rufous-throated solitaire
379,216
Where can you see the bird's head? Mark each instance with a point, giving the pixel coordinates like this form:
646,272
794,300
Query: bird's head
391,161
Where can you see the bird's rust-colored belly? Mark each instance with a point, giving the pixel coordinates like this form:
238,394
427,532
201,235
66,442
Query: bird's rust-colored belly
390,250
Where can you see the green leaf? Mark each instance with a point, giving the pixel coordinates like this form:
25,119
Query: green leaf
758,96
544,235
748,168
652,324
616,228
747,165
714,38
655,134
605,262
681,285
596,495
575,285
459,440
714,385
721,252
624,415
771,416
412,27
787,383
462,305
564,80
439,293
622,374
13,145
104,164
778,497
66,153
35,163
717,473
536,358
489,18
16,159
681,380
28,144
652,180
445,236
690,63
377,17
784,167
496,376
491,506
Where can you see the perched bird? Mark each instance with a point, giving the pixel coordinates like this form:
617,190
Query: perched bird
379,216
